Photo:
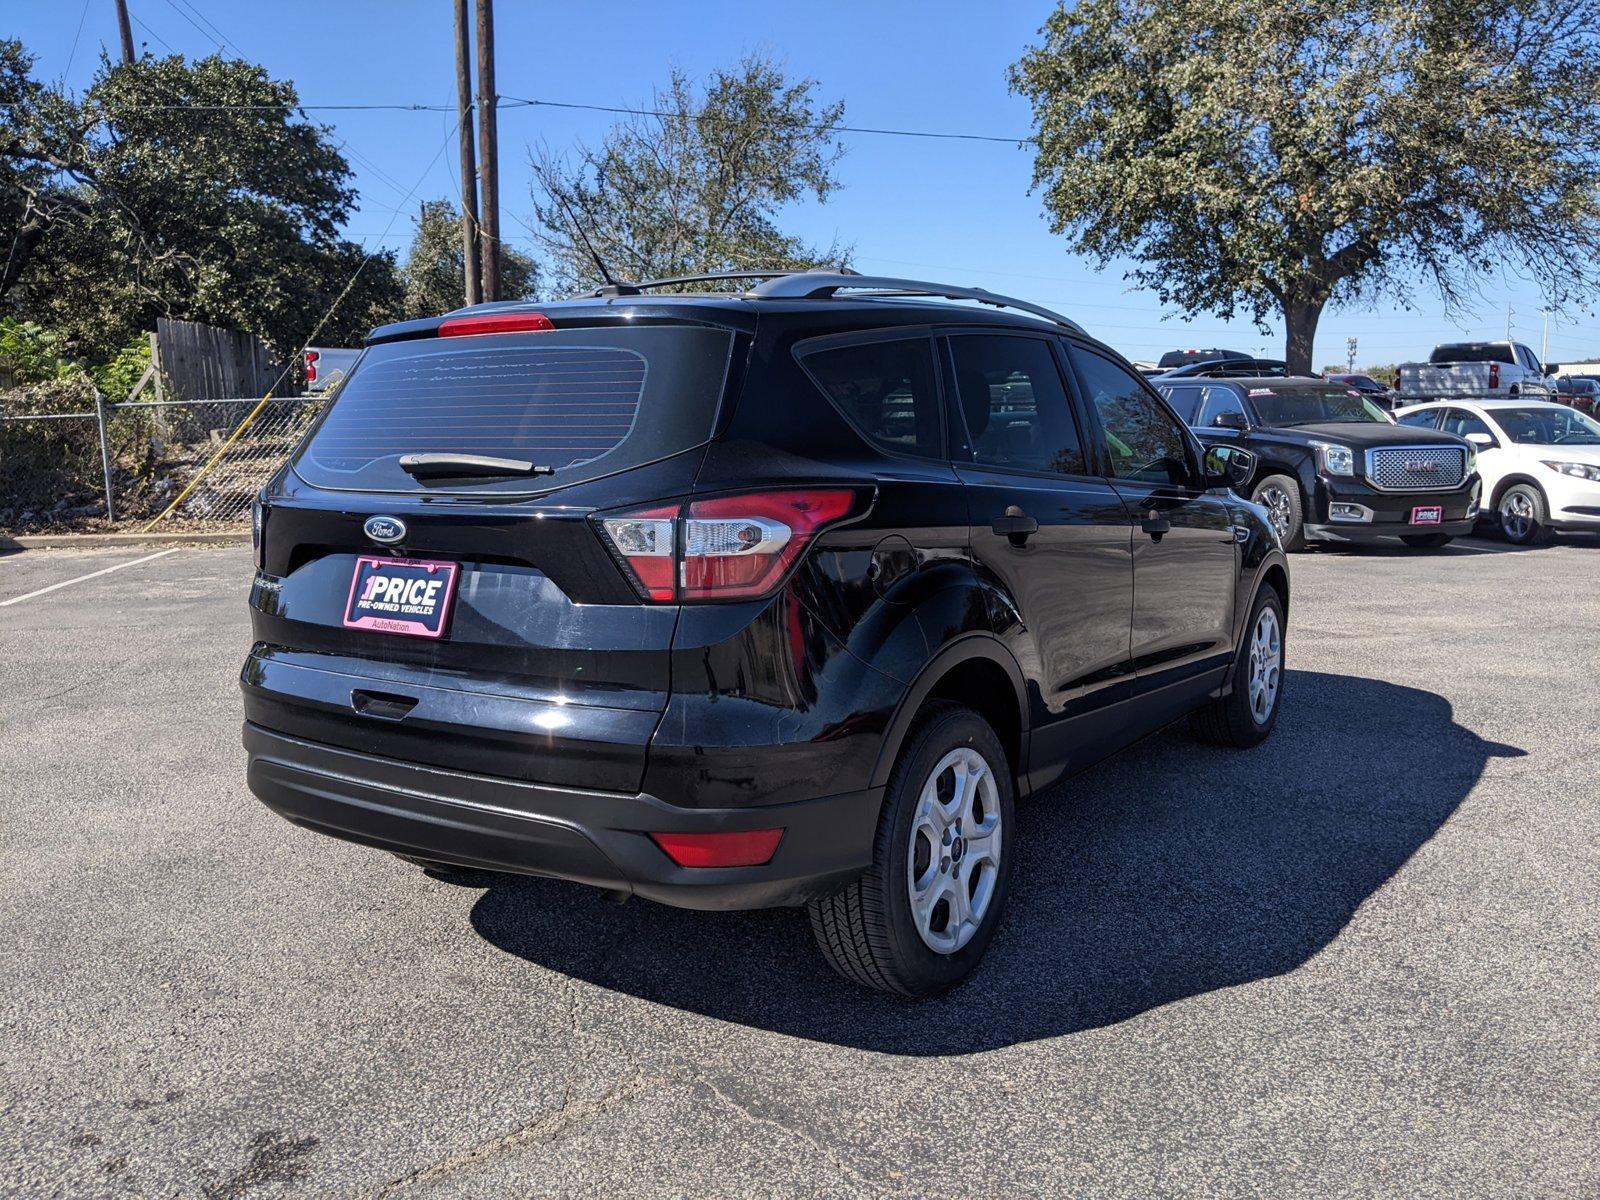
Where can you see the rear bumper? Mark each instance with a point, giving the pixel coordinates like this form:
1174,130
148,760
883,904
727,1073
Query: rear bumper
596,838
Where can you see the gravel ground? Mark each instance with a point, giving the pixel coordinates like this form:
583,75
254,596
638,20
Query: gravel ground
1360,960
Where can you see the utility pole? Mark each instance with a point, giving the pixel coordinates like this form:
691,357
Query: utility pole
1510,312
488,152
126,30
469,166
1350,354
1544,344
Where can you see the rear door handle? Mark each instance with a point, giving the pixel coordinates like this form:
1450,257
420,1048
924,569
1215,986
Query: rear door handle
1015,524
384,705
1155,525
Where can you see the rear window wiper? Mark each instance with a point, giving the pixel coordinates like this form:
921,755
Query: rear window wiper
461,466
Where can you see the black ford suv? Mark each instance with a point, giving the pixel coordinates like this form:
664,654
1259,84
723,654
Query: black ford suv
732,600
1329,465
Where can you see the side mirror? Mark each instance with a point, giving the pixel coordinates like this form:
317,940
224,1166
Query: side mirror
1230,420
1229,466
1483,441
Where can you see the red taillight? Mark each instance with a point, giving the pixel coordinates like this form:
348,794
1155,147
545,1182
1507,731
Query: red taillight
1494,374
311,365
518,322
724,548
752,848
740,546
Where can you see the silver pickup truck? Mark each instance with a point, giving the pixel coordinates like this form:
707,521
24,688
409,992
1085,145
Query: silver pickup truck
1477,370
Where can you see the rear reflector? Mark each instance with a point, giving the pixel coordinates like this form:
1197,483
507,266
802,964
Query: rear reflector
752,848
644,542
521,322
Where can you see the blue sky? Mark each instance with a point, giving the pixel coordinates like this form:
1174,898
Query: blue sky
956,211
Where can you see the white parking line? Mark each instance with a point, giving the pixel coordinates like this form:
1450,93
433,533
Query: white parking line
90,575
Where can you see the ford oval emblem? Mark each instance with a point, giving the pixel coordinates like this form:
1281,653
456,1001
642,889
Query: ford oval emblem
386,531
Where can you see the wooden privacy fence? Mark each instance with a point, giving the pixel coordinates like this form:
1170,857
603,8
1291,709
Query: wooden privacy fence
200,362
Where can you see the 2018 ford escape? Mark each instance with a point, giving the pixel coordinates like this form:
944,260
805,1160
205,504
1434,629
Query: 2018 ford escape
729,600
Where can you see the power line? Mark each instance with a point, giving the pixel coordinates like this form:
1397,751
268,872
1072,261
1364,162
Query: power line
158,38
73,53
504,102
817,126
212,25
197,26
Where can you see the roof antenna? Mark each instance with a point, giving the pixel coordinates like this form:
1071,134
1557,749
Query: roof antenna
613,287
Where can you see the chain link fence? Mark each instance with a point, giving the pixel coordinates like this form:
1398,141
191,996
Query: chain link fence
105,466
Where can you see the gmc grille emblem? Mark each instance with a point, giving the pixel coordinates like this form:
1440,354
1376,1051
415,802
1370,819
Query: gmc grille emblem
386,531
1423,467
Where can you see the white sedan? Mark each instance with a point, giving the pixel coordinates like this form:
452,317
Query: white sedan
1540,462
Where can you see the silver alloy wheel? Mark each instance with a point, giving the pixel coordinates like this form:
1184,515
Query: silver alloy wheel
1516,515
1276,501
954,861
1266,665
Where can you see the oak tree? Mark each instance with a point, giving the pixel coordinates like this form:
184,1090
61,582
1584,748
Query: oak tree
1270,158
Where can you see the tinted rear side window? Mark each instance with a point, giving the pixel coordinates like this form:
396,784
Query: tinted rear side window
886,389
1015,405
587,402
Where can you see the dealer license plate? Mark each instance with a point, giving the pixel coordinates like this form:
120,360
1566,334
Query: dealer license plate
408,596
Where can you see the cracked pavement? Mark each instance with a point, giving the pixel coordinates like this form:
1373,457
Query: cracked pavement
1361,960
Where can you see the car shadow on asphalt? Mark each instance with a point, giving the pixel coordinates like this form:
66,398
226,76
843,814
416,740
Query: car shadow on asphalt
1171,870
1462,547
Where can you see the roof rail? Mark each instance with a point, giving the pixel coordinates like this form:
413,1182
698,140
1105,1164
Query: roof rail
633,289
817,285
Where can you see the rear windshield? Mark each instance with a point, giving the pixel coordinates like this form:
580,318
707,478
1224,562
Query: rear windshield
1311,405
586,402
1471,352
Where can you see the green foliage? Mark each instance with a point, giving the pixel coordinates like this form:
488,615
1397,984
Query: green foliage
119,375
1261,157
29,353
192,190
435,274
698,187
1383,374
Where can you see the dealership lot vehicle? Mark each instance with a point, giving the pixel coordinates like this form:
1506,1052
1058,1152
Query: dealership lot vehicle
1475,370
1241,367
1330,465
735,601
1540,462
1582,392
1379,393
1369,941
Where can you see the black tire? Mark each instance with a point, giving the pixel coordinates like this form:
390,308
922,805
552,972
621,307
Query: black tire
1426,541
867,930
1291,511
1232,721
1523,515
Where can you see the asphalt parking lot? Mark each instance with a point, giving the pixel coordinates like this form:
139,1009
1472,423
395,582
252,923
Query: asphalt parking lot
1360,960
